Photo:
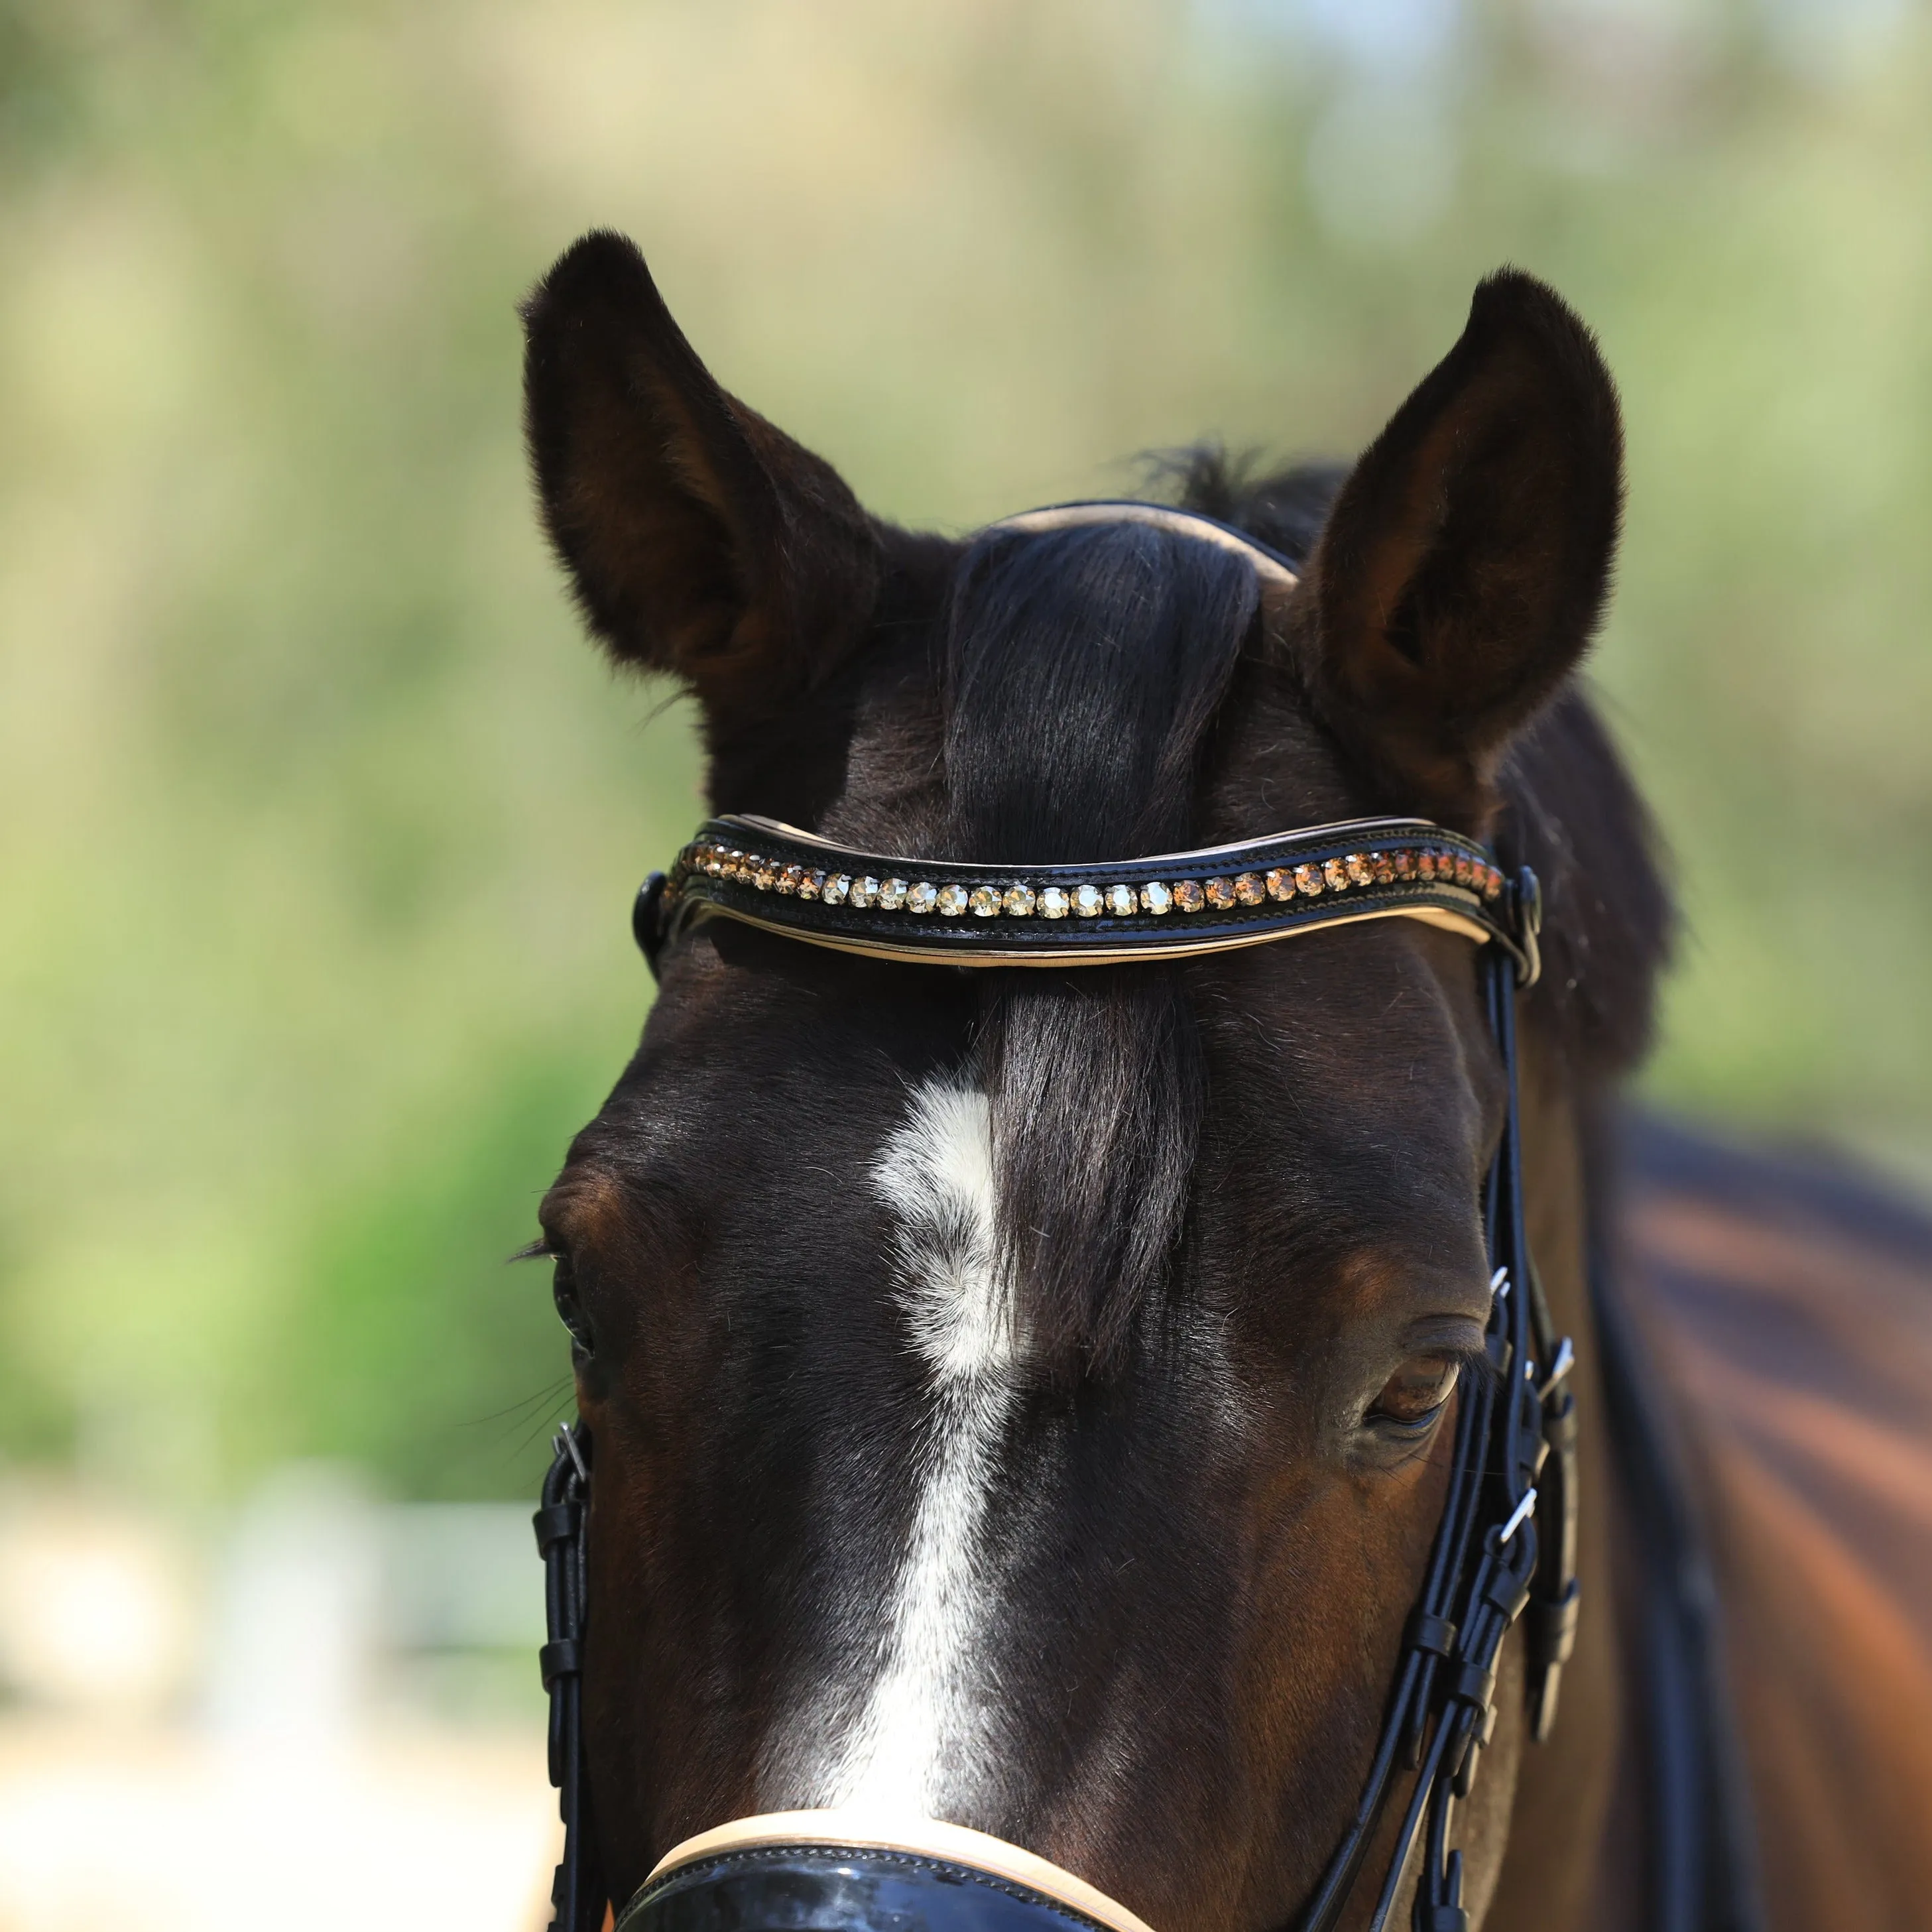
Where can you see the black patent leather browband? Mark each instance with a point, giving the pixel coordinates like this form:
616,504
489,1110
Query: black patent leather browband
1212,899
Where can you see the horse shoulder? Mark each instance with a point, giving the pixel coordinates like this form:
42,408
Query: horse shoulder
1789,1308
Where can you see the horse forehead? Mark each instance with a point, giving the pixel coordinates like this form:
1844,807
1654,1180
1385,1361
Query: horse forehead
1351,1081
1341,1072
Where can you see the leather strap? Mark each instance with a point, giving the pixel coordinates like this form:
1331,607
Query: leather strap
1487,1564
768,874
965,1856
1269,565
576,1890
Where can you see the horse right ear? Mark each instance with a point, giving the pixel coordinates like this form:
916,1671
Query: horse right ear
701,540
1465,565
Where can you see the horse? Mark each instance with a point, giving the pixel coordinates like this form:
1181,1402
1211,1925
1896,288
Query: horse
1021,1397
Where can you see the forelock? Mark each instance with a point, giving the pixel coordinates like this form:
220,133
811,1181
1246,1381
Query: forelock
1084,667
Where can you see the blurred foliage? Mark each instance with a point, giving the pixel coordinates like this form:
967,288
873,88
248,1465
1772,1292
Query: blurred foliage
319,822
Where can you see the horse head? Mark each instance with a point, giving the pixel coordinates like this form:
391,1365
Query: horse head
1022,1397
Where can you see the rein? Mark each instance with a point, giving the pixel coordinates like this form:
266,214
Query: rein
1506,1544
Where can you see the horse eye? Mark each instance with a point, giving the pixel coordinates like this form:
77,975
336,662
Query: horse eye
1414,1393
569,1308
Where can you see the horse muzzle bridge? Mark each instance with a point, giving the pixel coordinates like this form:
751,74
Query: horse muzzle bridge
1507,1542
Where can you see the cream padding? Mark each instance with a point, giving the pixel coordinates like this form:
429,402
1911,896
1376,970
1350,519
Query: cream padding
922,1837
1073,516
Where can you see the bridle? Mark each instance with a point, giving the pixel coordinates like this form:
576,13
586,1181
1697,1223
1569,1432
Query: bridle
1506,1544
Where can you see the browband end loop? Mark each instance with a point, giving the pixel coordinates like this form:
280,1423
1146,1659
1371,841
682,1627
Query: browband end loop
557,1523
1526,897
647,920
1436,1635
562,1657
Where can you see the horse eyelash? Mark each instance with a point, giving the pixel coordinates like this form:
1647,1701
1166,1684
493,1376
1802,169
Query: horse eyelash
538,1250
1473,1364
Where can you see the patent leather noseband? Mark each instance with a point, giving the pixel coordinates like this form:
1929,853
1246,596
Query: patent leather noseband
850,1871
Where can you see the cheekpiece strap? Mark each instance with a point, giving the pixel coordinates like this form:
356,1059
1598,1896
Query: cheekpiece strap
767,874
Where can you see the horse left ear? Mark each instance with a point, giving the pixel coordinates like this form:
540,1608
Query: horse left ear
1464,565
702,541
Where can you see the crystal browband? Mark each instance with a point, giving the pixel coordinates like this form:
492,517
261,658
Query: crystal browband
773,875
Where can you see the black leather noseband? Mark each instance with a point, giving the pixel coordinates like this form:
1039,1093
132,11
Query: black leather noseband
826,1871
817,1888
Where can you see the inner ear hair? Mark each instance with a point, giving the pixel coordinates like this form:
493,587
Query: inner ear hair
1465,565
700,540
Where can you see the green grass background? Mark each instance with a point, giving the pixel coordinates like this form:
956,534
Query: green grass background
318,821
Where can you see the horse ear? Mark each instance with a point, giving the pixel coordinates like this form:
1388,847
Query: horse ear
1465,563
701,541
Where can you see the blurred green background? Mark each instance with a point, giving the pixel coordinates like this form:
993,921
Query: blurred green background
319,823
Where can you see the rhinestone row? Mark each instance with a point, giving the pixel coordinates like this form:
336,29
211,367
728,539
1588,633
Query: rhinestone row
1426,864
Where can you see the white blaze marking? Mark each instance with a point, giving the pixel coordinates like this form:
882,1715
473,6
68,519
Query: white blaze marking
916,1742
